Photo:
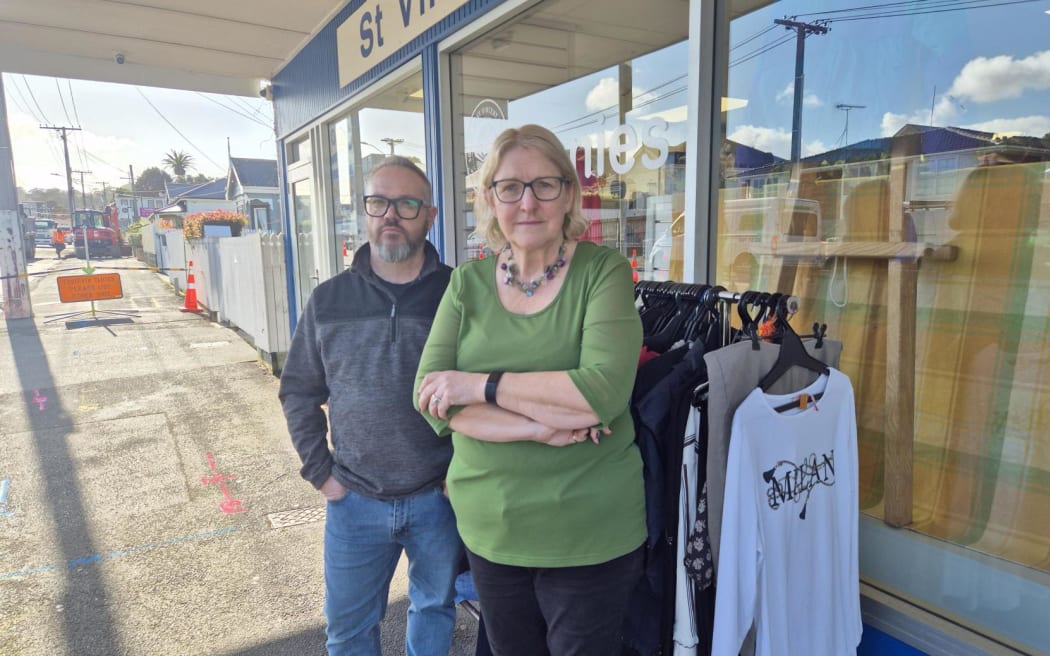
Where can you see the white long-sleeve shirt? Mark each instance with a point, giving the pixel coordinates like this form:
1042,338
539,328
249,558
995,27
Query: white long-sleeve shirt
789,526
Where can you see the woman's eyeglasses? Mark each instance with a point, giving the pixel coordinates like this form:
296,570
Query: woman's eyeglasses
405,207
510,190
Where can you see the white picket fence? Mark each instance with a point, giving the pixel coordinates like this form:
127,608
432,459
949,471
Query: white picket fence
240,281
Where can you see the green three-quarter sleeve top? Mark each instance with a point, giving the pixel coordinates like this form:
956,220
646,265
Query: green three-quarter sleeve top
525,503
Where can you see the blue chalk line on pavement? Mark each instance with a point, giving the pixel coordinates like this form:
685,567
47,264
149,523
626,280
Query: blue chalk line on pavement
99,557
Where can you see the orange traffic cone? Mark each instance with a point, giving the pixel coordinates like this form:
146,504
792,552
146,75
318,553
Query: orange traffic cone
191,291
634,264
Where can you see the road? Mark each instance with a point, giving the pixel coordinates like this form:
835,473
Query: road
150,502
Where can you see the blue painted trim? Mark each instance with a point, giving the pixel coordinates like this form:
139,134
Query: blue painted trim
874,642
432,119
286,220
308,86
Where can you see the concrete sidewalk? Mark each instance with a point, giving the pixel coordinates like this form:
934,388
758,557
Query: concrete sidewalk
150,501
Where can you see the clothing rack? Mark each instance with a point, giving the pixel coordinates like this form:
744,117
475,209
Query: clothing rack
700,292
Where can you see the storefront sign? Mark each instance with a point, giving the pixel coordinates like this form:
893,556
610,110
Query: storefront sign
621,145
380,28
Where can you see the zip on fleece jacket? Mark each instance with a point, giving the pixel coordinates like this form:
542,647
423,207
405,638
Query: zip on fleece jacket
356,349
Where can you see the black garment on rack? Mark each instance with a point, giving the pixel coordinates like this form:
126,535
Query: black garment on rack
661,406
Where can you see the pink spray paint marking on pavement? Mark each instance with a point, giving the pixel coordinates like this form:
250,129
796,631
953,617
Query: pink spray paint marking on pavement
39,400
229,504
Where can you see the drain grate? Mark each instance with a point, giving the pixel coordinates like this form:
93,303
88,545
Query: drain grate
295,517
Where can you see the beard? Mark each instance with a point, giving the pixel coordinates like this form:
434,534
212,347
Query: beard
394,252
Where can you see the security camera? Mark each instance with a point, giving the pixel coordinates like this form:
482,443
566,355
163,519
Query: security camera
119,57
266,92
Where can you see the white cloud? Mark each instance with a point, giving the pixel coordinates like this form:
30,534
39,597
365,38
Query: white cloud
1022,125
38,154
988,79
813,147
773,140
808,99
606,94
945,112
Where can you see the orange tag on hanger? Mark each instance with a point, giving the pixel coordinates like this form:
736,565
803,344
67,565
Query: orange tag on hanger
803,401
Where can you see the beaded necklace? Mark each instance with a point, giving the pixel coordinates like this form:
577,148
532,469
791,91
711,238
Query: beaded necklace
510,271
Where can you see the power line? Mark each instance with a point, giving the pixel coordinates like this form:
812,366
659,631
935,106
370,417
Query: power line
235,111
932,11
78,143
752,38
916,4
30,90
40,119
76,115
172,126
763,50
63,101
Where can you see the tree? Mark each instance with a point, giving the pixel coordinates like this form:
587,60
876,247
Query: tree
152,179
178,162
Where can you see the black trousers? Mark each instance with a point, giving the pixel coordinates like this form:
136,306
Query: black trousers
555,611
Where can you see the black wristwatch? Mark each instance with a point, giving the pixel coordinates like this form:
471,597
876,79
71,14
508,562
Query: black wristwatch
490,387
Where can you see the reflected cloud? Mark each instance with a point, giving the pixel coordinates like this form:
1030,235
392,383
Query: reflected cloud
988,79
808,99
606,95
773,140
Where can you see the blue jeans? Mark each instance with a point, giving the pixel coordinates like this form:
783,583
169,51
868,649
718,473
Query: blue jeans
555,611
363,539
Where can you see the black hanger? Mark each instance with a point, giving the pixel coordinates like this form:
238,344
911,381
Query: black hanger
748,326
792,353
673,330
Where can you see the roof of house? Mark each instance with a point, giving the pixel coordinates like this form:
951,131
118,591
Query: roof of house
214,190
254,172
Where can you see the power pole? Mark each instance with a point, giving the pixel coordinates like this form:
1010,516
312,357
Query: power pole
83,194
391,141
69,169
13,281
846,108
134,198
802,30
105,198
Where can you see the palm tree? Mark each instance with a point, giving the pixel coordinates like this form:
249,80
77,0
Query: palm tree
178,161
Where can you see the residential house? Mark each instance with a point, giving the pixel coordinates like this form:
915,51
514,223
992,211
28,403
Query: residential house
252,184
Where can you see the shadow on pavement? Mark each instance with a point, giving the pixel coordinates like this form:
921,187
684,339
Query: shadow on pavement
304,643
85,616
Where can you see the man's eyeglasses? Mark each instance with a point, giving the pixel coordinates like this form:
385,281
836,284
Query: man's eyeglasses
405,207
510,190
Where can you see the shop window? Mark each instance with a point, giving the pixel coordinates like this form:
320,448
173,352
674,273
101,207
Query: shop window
922,137
609,79
388,123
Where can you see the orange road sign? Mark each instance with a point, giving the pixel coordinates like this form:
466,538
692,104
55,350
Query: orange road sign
94,287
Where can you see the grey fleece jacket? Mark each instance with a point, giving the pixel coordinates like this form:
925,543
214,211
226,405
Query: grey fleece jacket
357,348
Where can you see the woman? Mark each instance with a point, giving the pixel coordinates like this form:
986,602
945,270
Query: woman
553,534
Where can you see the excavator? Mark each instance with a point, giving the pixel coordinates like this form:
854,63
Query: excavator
97,233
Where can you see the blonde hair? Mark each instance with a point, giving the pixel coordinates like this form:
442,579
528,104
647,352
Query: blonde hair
542,141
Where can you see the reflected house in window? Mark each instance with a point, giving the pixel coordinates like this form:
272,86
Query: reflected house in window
944,158
252,184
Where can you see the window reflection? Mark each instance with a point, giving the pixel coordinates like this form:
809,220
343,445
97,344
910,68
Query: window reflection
614,93
390,123
923,137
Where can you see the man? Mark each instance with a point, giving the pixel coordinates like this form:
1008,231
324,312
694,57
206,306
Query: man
58,240
356,348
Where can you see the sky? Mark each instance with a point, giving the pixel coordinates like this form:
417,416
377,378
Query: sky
979,64
122,125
